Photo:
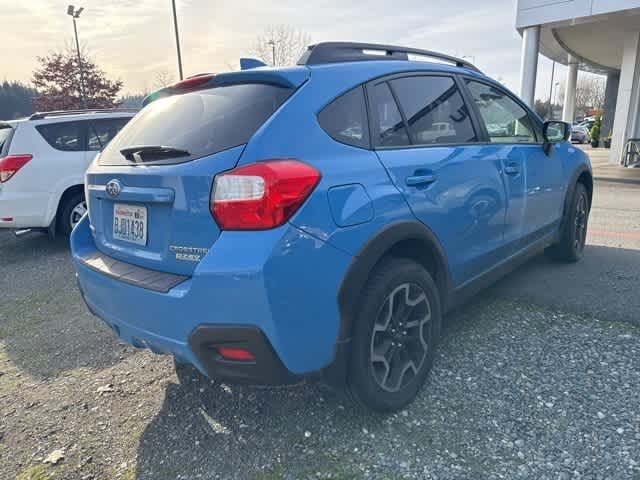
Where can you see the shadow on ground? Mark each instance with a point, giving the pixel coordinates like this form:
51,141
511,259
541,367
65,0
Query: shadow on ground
44,325
605,284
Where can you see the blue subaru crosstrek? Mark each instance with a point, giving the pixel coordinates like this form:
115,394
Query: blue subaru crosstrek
273,224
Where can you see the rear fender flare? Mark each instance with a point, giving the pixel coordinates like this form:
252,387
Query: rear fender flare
371,253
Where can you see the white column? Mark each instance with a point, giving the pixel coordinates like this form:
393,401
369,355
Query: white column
627,102
569,110
610,97
529,63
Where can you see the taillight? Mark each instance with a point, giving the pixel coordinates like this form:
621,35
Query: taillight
261,195
9,165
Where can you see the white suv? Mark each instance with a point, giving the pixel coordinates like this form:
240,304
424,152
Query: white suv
42,163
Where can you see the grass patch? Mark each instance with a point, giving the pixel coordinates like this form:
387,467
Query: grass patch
129,473
37,472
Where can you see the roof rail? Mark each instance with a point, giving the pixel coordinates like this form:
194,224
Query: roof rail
332,52
61,113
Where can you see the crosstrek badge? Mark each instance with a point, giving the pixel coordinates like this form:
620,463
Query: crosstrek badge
188,254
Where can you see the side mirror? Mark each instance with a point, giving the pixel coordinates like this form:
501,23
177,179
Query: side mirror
555,131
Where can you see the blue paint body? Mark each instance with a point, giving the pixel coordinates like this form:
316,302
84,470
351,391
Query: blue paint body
285,281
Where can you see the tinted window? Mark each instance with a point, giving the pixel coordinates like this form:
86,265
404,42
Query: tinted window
434,110
66,136
201,122
505,119
390,129
345,119
102,131
5,139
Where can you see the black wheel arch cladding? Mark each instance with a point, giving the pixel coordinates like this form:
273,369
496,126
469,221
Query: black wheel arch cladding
385,242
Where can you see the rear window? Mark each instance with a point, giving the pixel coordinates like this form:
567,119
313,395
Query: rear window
102,131
5,139
200,123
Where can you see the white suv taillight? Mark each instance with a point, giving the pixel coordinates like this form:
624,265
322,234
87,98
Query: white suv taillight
10,164
261,195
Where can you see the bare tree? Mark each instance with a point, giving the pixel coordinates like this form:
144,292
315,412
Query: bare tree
162,78
589,94
280,45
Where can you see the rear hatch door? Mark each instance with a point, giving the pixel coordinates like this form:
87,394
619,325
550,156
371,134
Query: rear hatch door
149,190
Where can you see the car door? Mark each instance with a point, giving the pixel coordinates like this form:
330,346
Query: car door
424,135
68,158
533,179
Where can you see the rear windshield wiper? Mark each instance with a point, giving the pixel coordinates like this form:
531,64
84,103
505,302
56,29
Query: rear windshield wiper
144,153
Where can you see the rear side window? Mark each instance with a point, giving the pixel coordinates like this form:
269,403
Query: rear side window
389,125
345,119
102,131
65,136
434,110
200,123
5,138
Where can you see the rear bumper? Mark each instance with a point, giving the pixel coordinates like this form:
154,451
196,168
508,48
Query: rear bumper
255,288
24,210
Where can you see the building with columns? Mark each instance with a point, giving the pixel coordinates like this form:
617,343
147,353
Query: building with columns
599,36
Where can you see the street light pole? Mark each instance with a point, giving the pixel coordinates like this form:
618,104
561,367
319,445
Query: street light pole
175,26
273,50
76,14
550,110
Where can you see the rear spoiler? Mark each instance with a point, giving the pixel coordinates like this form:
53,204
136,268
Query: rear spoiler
291,77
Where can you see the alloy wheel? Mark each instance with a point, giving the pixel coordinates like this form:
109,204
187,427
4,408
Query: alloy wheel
581,223
400,338
77,212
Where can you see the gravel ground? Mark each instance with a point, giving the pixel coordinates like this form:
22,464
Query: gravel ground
527,384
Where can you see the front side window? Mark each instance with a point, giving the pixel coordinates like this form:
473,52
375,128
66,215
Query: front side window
65,136
506,121
345,119
389,125
434,109
102,131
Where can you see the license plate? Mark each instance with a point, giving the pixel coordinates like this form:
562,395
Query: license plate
130,223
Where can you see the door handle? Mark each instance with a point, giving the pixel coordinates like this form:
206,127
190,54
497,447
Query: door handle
416,180
511,169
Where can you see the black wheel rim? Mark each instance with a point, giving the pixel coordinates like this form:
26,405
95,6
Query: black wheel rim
400,338
581,223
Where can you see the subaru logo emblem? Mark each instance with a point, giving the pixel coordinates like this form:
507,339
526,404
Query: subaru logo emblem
113,188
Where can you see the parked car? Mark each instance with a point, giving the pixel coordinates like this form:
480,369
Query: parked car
273,224
580,134
42,163
587,123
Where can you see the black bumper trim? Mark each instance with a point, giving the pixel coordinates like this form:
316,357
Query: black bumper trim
125,272
267,369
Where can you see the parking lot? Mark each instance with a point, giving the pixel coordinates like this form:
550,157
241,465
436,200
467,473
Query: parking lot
538,377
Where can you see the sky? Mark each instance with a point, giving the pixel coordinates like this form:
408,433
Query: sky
133,40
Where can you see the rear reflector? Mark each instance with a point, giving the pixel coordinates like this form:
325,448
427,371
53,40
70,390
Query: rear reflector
11,164
262,195
236,354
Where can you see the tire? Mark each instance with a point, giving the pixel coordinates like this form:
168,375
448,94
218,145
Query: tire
387,379
71,212
570,248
